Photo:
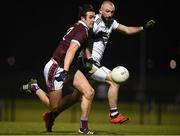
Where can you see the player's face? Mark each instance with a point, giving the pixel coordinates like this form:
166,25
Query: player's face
107,12
89,19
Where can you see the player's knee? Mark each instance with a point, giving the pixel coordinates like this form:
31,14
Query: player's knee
89,94
112,83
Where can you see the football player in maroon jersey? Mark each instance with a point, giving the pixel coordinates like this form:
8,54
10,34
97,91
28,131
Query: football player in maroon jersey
62,68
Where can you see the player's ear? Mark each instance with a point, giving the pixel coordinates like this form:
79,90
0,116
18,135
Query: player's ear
83,19
100,11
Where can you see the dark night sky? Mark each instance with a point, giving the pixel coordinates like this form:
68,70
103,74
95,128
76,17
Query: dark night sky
35,28
32,30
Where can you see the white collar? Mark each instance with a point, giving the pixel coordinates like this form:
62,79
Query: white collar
83,24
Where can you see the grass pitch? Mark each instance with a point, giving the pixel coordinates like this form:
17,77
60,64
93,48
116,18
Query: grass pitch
37,128
28,121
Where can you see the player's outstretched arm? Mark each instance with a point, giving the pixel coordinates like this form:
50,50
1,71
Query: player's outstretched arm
129,30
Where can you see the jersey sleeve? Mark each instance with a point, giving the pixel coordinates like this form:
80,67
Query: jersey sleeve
115,24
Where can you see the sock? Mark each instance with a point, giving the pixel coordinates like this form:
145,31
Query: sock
114,112
83,123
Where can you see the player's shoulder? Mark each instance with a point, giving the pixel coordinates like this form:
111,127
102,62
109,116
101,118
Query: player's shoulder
79,28
114,20
78,25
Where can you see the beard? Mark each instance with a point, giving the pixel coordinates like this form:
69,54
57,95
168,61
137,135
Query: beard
107,20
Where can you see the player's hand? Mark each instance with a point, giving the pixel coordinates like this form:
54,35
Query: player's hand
149,24
99,35
88,63
91,65
62,76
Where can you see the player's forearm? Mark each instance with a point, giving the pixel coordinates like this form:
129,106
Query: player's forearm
129,29
87,53
134,30
68,60
70,55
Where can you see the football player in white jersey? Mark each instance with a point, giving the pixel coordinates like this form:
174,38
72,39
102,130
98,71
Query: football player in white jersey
103,27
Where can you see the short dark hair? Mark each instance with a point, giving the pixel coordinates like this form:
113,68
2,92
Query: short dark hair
84,9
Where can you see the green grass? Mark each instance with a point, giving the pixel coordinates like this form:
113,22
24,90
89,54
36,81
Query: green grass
37,128
28,120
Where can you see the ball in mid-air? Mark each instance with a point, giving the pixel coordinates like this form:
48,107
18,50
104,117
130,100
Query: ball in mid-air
119,74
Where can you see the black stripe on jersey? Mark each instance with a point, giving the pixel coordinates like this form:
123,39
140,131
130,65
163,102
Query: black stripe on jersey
99,20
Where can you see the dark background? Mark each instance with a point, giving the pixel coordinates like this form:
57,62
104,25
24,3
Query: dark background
33,29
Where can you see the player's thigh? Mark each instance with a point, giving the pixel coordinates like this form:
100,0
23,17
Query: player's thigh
101,74
81,83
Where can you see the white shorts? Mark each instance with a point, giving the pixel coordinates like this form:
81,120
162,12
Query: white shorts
52,70
100,73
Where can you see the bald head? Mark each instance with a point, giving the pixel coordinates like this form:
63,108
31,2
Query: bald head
107,3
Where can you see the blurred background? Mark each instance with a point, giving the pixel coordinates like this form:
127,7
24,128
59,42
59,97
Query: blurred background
33,29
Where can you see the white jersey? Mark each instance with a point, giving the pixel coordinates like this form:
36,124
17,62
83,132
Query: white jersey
100,44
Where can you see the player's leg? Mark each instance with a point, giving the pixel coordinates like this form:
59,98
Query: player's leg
49,117
103,74
64,103
81,83
51,70
68,100
32,87
45,99
113,91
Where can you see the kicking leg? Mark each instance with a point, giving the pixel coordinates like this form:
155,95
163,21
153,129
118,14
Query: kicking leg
113,91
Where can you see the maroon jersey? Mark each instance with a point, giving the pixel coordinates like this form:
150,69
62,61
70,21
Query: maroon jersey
77,33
